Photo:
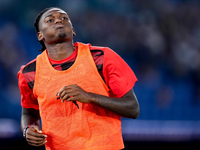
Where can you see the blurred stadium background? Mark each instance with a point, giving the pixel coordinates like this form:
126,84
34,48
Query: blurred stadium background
159,39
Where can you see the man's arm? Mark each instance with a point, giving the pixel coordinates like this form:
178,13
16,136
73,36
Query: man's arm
126,106
29,117
34,135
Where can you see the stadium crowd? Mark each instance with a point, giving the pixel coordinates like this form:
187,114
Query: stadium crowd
159,39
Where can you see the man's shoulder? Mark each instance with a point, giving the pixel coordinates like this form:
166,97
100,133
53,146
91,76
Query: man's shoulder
29,67
27,73
99,48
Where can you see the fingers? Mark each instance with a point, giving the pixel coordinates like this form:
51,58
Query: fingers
74,93
69,88
33,141
35,137
72,99
67,96
36,129
68,92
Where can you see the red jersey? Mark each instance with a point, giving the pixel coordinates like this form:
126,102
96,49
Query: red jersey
115,72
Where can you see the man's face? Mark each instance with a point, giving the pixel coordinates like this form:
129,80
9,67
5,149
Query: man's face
55,26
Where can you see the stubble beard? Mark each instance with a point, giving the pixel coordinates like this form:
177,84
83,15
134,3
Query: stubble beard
62,35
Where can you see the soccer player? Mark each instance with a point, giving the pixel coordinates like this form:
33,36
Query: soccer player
78,91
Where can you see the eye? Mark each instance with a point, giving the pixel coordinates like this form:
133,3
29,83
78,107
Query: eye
50,20
64,18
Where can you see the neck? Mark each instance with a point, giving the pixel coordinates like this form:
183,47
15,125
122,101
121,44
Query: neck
60,51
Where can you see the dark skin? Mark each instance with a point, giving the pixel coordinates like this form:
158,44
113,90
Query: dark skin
57,33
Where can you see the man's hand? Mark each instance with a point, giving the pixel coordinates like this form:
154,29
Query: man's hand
35,136
126,106
74,93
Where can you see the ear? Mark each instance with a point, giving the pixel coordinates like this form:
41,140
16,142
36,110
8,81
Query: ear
40,36
73,31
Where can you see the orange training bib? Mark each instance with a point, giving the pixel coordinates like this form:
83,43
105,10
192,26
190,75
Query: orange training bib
88,128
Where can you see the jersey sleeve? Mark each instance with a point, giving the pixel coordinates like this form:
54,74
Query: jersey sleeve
118,76
27,98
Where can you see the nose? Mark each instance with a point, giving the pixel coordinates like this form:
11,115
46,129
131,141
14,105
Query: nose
58,21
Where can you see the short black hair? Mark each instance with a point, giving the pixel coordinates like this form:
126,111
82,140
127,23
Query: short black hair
36,25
